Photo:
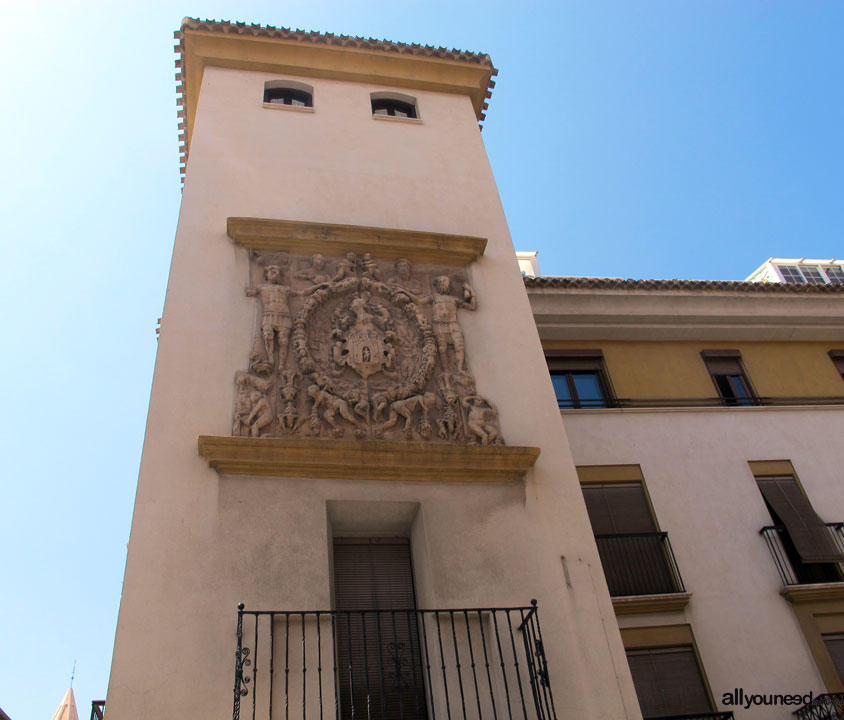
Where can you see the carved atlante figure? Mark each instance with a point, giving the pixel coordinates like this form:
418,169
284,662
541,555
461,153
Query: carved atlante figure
275,318
445,326
245,384
477,421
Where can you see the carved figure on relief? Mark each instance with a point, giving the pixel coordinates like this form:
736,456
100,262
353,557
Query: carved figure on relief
449,425
245,385
332,405
406,408
261,415
289,420
481,416
318,272
276,321
404,277
446,327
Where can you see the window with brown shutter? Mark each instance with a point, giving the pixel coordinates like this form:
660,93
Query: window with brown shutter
835,647
668,682
634,554
378,654
728,374
791,508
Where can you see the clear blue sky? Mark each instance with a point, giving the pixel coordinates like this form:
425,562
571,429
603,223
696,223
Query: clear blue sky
675,138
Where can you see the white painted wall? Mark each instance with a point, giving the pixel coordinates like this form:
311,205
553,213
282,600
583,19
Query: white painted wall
706,498
201,543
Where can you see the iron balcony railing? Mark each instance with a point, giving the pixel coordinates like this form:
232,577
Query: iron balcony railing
392,665
695,716
639,564
792,569
823,707
98,709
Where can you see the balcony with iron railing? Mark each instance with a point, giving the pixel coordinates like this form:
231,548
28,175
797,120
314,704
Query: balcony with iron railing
639,564
695,716
791,567
392,665
824,707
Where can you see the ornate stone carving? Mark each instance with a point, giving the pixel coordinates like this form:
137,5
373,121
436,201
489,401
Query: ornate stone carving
349,353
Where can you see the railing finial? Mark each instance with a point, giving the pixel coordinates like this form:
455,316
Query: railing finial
240,606
533,602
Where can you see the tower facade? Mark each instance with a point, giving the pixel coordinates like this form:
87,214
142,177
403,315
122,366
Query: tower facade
352,431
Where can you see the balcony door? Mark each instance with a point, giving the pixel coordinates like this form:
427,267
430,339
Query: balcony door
379,665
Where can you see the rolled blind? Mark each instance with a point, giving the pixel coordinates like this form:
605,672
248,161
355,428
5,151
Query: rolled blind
378,653
835,646
808,532
668,681
618,508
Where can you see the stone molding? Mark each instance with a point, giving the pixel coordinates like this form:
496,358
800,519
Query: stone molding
366,460
266,235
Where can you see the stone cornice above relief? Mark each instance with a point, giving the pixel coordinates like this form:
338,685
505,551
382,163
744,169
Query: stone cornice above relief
366,460
615,314
266,235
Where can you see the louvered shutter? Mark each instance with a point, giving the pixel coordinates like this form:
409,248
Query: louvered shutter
808,532
668,682
835,646
378,660
618,508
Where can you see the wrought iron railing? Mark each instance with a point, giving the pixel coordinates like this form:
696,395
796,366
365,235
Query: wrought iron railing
392,665
98,709
695,716
639,564
824,707
792,569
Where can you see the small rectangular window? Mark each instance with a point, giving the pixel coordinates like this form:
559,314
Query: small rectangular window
669,682
813,275
791,274
835,274
730,379
579,379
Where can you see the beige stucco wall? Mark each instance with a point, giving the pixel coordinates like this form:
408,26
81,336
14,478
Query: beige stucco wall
201,543
673,370
695,466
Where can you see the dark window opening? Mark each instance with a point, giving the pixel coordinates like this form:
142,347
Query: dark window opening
635,556
813,275
837,357
378,645
729,377
791,274
668,682
835,647
579,380
288,96
393,108
835,273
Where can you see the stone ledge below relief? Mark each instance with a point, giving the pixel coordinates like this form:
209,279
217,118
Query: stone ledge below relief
366,459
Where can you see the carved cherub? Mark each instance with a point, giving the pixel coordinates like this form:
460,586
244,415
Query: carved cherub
446,328
347,267
275,316
261,415
333,404
370,267
406,408
317,273
245,384
477,421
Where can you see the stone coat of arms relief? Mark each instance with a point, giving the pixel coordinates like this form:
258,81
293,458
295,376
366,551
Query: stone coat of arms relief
360,347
